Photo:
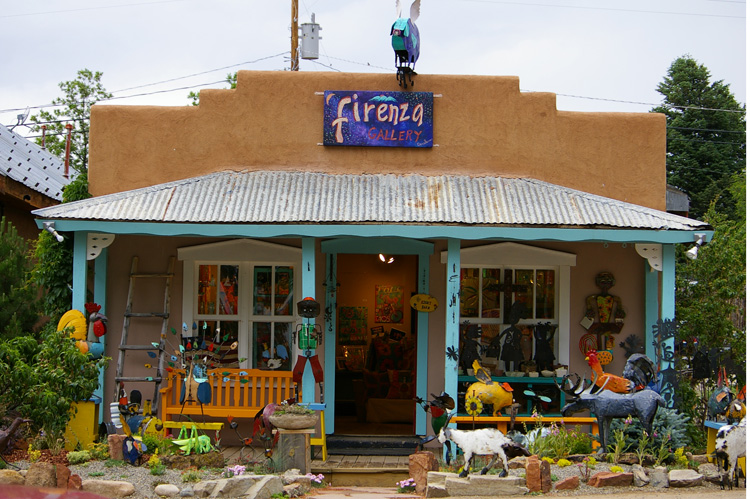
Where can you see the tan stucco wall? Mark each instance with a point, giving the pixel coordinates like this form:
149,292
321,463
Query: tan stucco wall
483,125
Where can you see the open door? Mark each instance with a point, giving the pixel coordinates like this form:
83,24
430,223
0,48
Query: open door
375,345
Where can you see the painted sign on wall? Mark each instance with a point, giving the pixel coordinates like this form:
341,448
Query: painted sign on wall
378,119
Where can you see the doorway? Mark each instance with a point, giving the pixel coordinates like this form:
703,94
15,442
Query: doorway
375,345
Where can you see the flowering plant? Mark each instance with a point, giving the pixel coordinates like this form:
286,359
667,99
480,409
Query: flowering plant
317,480
235,470
407,485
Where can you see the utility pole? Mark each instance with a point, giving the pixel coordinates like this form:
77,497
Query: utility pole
295,35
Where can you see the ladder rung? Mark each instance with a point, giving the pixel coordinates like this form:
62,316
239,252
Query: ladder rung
138,347
147,314
137,378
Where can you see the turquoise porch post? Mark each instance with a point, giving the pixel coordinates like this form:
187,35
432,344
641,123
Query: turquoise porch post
100,297
452,315
668,283
423,287
308,289
651,307
80,271
329,340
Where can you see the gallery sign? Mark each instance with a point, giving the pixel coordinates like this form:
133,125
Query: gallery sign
377,119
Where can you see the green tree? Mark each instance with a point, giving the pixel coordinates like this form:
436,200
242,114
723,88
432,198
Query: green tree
18,296
53,271
74,108
195,96
711,301
41,378
705,135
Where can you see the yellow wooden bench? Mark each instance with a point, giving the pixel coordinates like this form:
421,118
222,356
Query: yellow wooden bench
502,422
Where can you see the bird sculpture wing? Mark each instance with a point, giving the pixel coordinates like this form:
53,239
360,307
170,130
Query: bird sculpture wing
639,369
414,11
398,9
481,373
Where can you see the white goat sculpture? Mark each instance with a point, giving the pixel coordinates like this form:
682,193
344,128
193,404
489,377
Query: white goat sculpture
730,446
482,442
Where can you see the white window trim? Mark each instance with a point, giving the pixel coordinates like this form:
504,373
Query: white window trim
514,255
247,253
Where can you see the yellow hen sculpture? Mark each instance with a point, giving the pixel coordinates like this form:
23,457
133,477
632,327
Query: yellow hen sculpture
488,391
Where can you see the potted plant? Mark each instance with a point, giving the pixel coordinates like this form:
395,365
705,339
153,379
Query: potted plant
293,417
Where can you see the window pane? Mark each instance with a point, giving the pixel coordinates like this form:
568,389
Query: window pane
262,291
207,289
525,291
469,292
218,348
272,352
284,292
545,294
490,292
228,289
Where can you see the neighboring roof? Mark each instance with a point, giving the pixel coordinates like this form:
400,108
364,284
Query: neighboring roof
677,200
275,197
27,163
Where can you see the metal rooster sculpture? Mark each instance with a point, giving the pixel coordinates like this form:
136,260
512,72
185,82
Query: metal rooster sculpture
405,43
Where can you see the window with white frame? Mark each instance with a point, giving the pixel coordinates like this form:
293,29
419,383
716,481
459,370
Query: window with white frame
246,307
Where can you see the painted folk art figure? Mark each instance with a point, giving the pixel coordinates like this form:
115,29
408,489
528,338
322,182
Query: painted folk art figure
500,395
470,349
509,341
544,354
405,43
438,408
605,315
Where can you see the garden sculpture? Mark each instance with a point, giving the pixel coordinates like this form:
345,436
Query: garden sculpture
721,398
500,395
606,405
438,408
639,371
405,43
133,447
200,444
544,354
730,446
482,442
470,348
307,337
604,313
86,334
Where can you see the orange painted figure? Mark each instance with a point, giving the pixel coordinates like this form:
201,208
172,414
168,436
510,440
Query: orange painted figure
500,395
612,382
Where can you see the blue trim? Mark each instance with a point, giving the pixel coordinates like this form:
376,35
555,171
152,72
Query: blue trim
308,289
452,312
651,307
423,286
80,268
100,297
329,341
380,230
668,297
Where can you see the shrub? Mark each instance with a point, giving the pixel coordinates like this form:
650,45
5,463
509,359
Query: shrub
79,457
562,463
666,422
561,442
191,475
157,443
99,451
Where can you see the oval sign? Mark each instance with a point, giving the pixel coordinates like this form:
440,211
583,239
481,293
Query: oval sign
423,303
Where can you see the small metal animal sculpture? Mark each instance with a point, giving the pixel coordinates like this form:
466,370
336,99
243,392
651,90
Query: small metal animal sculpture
405,43
639,371
607,405
438,408
544,355
730,446
500,395
482,442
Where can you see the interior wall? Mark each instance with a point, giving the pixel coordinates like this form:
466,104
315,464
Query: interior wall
359,276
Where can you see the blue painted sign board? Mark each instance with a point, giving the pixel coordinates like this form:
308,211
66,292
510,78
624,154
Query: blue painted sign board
377,119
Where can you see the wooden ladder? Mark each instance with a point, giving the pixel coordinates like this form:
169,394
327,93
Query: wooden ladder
160,349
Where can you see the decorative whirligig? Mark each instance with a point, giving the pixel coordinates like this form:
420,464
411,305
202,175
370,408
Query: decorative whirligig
405,43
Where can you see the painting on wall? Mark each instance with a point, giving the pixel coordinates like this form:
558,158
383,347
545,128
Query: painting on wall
389,304
352,326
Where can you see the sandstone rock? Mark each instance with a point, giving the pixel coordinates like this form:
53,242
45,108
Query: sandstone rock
710,473
685,478
41,475
436,483
204,488
659,477
609,479
233,487
421,463
699,458
517,463
628,458
108,488
293,490
10,477
75,482
570,483
545,477
640,477
187,492
167,490
479,485
267,486
533,474
63,475
115,446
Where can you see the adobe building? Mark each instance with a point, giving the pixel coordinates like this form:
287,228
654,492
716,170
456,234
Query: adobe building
462,191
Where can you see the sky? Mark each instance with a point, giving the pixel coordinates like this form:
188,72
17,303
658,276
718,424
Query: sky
596,55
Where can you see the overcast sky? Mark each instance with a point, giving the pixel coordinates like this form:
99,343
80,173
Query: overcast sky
596,55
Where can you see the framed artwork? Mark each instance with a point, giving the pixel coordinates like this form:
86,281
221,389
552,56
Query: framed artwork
389,304
352,326
354,357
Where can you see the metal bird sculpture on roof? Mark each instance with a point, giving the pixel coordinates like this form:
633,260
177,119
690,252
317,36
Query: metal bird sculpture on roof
405,43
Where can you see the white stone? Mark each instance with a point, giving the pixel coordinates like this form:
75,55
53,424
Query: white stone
685,478
167,490
108,488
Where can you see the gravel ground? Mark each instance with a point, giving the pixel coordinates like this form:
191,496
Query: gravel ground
144,481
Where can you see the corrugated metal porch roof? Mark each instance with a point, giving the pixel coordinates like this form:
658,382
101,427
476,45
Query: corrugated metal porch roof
280,197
